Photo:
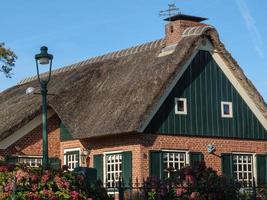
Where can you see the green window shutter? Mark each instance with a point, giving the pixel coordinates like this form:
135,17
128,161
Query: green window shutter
11,159
261,161
64,133
127,167
55,163
195,158
227,164
155,164
98,164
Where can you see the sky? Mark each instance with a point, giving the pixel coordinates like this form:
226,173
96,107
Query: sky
77,30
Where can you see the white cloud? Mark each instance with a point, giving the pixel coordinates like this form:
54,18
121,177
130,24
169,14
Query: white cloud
251,26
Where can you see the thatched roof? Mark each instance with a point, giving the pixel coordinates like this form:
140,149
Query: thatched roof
114,93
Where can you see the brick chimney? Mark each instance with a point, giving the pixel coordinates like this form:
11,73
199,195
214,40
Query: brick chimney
177,24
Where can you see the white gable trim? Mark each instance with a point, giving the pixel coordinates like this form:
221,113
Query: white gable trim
167,92
207,46
239,88
37,121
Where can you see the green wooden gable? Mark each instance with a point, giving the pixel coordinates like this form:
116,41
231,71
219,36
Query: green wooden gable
205,86
64,133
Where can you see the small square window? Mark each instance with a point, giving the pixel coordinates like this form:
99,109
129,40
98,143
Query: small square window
180,106
226,109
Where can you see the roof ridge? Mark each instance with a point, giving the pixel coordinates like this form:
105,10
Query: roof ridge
111,55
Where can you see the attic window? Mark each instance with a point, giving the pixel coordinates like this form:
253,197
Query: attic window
180,106
227,109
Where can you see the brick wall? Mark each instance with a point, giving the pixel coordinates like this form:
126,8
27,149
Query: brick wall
175,29
198,144
31,144
129,142
141,144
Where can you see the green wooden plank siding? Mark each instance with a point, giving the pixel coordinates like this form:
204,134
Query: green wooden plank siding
98,165
64,133
227,164
204,85
261,169
196,158
155,164
127,167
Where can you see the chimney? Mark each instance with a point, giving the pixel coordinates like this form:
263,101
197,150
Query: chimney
177,24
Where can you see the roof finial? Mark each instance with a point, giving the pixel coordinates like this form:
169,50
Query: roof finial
172,10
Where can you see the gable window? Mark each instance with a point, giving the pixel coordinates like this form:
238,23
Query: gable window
226,109
72,158
173,161
180,106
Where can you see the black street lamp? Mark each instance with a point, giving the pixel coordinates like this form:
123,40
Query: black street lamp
44,58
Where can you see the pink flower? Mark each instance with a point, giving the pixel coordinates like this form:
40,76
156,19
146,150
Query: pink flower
34,187
49,194
9,186
20,175
3,168
66,184
193,196
74,195
32,196
58,182
180,191
34,178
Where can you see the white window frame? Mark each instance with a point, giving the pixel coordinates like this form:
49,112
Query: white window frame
105,154
254,167
230,104
70,150
29,157
178,112
177,151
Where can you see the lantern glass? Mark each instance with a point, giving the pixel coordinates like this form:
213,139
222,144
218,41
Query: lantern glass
43,61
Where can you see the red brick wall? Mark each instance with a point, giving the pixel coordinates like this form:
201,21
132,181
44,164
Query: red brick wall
31,144
129,142
198,144
141,144
178,27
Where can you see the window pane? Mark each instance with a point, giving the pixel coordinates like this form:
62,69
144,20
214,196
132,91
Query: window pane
226,109
243,168
180,105
172,162
113,169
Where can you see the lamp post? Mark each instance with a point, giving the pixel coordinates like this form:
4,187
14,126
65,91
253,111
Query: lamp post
43,58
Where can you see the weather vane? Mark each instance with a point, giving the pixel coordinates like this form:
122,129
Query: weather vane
172,10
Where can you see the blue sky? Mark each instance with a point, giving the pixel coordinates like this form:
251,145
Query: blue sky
77,30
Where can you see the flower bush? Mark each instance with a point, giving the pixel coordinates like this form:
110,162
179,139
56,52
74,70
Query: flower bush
193,183
36,184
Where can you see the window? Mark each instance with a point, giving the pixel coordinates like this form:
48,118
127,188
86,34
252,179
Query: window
111,166
32,161
72,158
243,168
226,109
113,169
173,161
180,106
